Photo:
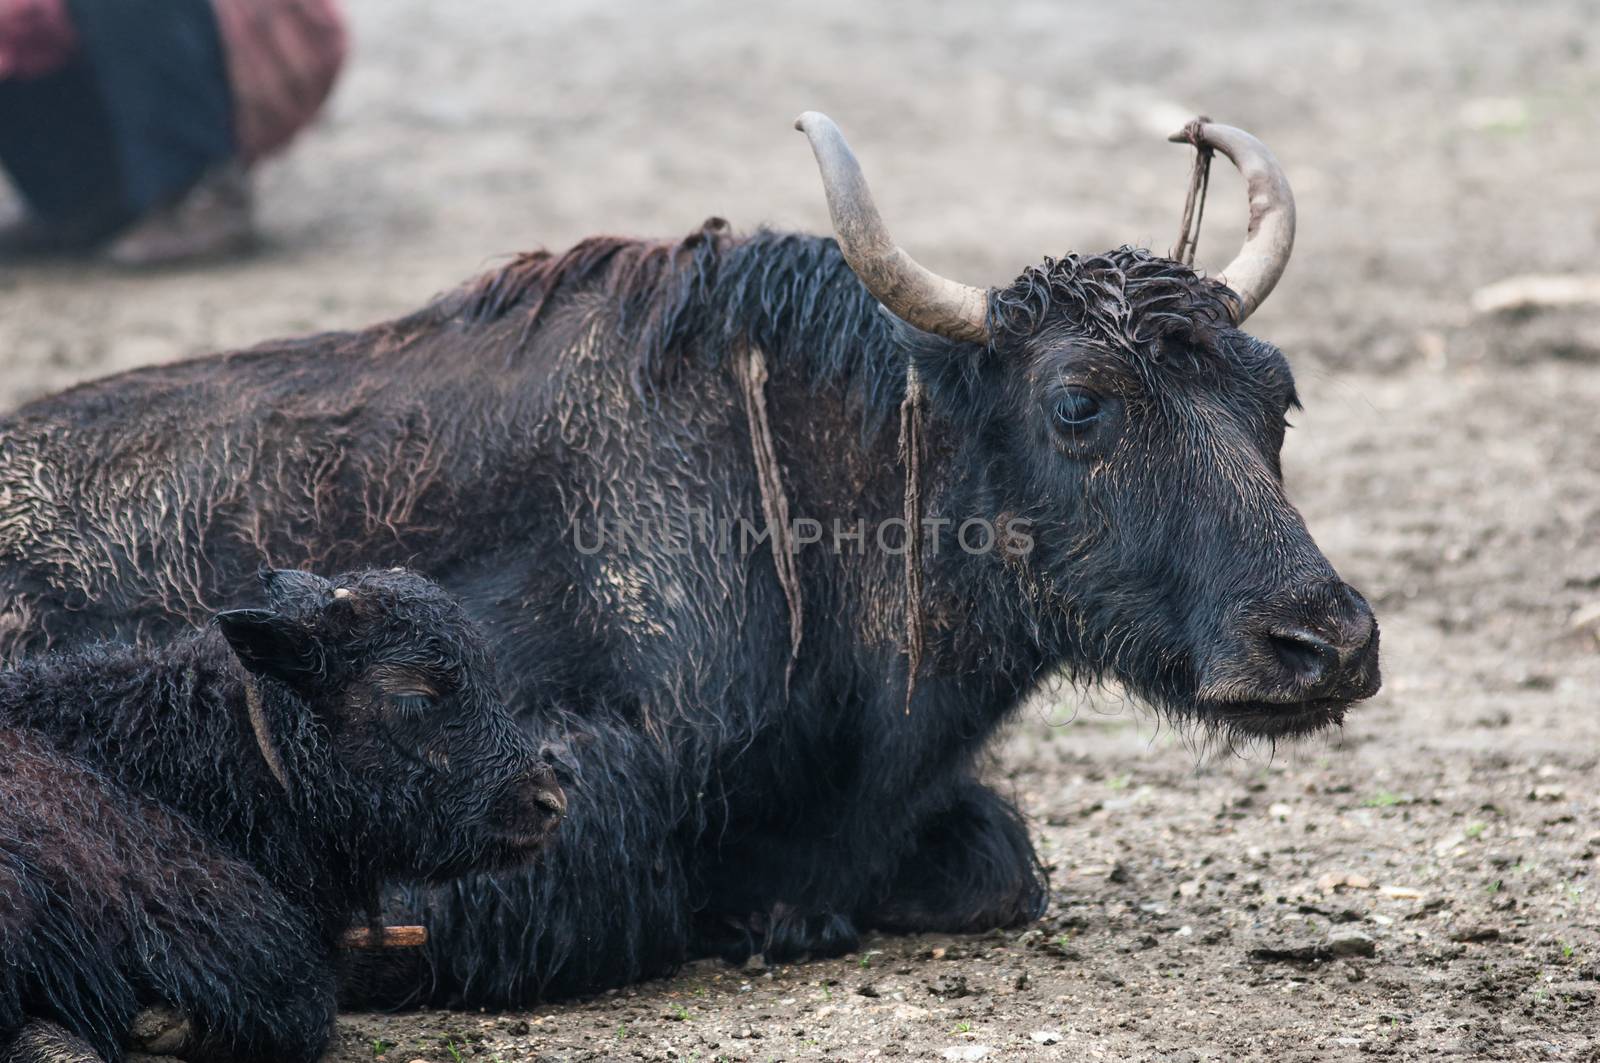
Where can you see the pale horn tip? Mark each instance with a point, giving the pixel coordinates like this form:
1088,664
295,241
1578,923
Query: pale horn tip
808,119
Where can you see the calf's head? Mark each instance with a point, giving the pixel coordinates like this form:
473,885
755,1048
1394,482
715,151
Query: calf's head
384,673
1113,402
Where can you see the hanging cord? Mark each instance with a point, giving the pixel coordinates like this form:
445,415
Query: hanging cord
774,503
911,447
1194,205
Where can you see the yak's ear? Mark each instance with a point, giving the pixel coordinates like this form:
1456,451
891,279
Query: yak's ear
272,646
950,371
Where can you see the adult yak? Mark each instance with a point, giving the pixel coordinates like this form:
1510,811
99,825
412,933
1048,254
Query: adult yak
769,745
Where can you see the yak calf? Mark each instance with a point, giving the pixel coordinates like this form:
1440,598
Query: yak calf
194,826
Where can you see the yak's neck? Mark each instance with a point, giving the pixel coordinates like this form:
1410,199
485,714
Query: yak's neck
701,302
838,367
796,299
173,725
991,629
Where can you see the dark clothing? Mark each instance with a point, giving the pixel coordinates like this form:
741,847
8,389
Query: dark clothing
133,121
56,143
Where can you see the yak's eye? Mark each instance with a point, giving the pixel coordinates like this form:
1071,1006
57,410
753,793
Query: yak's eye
1076,409
411,702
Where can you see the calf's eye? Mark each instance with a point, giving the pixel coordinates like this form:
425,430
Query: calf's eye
1076,409
411,703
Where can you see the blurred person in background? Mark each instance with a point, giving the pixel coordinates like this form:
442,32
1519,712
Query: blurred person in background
130,126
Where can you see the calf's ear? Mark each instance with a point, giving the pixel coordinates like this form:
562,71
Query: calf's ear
272,646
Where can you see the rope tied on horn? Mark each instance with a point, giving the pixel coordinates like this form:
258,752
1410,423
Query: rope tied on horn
1194,204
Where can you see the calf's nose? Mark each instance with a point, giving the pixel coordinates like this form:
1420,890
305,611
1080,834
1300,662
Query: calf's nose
552,798
541,802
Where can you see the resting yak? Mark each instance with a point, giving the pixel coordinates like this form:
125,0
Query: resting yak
770,745
195,824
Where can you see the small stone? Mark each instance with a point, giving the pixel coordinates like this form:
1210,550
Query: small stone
1189,888
1060,948
952,987
1585,617
1351,943
1046,1037
1401,893
1289,952
1334,882
1548,793
1280,811
1475,934
967,1053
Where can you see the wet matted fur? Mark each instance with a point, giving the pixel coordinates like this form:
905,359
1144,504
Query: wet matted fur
720,802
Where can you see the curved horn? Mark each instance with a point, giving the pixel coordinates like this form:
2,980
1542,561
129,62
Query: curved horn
911,292
1270,236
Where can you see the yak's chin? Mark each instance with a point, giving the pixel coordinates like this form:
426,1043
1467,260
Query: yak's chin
501,851
1275,720
512,849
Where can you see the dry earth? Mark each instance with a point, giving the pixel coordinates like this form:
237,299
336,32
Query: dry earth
1425,885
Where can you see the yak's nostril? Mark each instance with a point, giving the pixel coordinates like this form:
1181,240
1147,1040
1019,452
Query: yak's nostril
1309,657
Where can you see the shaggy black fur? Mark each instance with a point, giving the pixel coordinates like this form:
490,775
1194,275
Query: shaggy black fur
150,853
719,803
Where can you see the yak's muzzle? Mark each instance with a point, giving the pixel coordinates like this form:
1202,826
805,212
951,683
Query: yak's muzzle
532,809
1293,663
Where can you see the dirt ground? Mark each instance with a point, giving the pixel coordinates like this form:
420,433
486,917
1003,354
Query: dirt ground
1424,885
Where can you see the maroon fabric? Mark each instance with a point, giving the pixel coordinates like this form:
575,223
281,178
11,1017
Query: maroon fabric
36,38
283,58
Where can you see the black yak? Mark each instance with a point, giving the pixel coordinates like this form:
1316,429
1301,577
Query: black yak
771,744
195,825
